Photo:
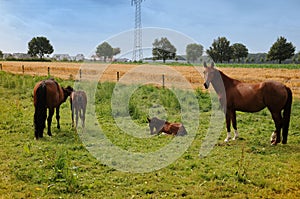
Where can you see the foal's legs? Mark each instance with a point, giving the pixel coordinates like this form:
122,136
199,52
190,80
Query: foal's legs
49,120
276,138
83,117
72,109
57,117
76,112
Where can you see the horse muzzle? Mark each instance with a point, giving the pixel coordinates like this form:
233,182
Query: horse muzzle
206,85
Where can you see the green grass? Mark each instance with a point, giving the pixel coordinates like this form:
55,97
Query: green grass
62,167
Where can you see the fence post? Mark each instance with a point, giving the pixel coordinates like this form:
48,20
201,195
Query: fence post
0,66
48,71
23,69
80,74
163,81
118,76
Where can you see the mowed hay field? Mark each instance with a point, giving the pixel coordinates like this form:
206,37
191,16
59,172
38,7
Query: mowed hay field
192,74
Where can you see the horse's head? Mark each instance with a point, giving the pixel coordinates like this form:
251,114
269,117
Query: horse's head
209,73
67,92
155,123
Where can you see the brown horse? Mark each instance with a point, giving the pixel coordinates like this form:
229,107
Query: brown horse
78,102
47,94
166,127
238,96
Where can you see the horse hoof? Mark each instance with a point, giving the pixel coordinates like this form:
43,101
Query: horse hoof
273,143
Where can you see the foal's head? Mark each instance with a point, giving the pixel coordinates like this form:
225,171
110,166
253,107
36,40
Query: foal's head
209,74
155,123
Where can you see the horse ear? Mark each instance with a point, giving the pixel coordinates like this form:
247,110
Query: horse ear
204,64
149,120
212,65
70,89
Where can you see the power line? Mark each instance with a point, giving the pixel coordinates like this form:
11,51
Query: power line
137,48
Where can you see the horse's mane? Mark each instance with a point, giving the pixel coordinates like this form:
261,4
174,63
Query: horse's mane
225,78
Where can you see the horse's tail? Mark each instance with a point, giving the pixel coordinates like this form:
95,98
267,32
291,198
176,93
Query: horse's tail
40,113
287,115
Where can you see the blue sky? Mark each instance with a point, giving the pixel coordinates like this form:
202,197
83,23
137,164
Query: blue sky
78,26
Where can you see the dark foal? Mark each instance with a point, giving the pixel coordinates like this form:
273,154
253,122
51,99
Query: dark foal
78,102
166,127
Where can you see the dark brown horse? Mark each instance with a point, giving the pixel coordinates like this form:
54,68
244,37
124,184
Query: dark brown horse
166,127
47,94
78,102
238,96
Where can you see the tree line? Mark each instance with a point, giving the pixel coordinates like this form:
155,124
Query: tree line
220,50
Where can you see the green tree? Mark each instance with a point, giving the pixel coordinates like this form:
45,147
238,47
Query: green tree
39,46
1,54
163,49
116,51
239,51
105,50
193,52
281,50
220,50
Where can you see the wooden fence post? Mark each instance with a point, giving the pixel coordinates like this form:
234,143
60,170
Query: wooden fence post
163,81
118,76
23,69
48,71
80,74
0,66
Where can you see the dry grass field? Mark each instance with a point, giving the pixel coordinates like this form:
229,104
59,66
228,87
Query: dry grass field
108,72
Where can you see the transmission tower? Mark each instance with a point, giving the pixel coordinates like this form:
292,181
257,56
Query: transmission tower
137,48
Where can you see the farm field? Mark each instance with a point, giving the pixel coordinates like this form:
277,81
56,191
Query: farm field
62,167
108,72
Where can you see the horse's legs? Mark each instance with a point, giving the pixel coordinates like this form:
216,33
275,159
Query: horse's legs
233,117
49,120
278,125
228,118
83,117
76,112
72,109
57,117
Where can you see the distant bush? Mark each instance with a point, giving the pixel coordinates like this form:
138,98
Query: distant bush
28,59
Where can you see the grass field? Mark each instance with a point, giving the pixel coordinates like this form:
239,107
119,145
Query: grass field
62,167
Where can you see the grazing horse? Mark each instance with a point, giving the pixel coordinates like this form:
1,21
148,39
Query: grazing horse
47,94
78,102
166,127
235,95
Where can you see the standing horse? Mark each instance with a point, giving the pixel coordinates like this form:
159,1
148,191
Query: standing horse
166,127
238,96
78,102
47,94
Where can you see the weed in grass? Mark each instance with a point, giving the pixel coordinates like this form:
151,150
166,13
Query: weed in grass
64,177
241,172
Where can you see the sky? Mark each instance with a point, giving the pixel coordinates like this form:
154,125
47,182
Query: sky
79,26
